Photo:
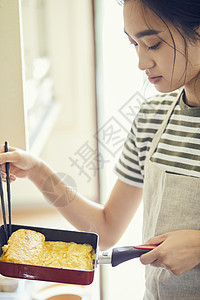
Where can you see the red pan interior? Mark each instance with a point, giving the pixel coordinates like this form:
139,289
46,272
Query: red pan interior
70,276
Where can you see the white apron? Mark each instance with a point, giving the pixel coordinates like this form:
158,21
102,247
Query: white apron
171,202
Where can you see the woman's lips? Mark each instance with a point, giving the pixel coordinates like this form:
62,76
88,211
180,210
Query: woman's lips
154,79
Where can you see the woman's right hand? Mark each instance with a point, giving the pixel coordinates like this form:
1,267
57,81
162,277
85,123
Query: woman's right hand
21,162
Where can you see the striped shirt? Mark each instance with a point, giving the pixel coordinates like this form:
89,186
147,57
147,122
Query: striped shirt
178,150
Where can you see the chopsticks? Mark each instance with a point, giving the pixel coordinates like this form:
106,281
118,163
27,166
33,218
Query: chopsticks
8,230
8,189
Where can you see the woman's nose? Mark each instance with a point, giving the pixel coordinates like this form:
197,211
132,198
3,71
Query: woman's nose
145,61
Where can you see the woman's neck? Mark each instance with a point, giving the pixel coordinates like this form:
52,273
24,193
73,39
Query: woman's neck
192,94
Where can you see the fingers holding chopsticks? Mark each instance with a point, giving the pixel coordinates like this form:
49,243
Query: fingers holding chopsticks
8,157
4,177
11,156
2,148
21,162
5,156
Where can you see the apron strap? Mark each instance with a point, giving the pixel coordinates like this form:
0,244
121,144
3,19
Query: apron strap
160,131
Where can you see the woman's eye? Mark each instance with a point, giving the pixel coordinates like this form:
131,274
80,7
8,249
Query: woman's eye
154,47
133,43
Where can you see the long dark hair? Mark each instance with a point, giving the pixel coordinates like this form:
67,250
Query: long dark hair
184,15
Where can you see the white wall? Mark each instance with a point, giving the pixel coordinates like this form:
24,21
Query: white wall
12,117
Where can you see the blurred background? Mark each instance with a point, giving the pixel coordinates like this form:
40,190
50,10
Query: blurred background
69,90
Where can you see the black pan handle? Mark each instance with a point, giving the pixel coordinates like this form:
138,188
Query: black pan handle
122,254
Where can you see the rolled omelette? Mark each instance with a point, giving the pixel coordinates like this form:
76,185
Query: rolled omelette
29,247
24,246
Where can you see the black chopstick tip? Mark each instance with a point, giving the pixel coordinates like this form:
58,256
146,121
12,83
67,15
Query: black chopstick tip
6,146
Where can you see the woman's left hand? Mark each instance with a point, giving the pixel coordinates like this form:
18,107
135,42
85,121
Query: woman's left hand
177,251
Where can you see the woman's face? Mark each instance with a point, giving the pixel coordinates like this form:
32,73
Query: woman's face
154,43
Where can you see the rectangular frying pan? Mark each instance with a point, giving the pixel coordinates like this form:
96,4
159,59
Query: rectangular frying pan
70,276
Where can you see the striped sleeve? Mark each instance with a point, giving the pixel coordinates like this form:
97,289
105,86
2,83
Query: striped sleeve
178,150
128,167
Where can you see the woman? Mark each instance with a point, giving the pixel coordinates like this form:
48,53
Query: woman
161,155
